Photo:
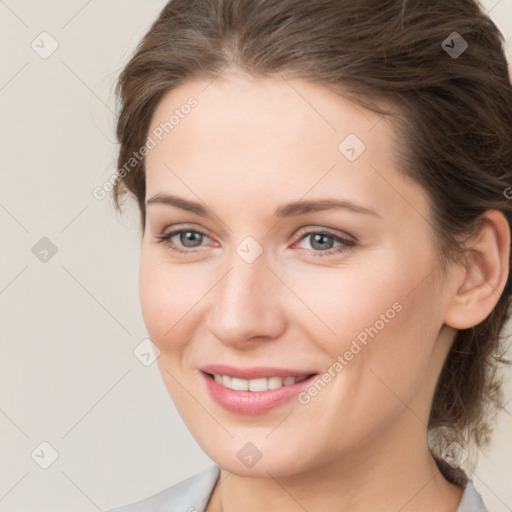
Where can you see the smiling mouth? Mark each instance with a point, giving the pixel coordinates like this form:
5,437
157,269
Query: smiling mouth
254,391
258,384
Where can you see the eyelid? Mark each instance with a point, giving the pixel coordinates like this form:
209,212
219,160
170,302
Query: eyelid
346,241
177,228
327,231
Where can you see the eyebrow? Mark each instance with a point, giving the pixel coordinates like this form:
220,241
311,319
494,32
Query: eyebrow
287,210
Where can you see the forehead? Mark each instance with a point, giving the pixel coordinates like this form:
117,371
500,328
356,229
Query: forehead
269,114
267,136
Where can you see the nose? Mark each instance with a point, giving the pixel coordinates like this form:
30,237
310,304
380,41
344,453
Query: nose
247,303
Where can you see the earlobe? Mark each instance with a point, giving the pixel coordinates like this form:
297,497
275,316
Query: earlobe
484,273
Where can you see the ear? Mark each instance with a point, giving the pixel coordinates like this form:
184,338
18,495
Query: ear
483,273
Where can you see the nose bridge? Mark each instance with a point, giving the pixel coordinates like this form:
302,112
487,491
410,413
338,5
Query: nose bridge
246,284
246,299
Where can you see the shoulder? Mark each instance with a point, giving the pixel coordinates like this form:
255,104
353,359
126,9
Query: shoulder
190,495
471,501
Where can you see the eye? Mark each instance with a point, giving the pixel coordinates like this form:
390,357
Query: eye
322,242
186,237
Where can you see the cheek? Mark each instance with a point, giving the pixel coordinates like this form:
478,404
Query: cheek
165,296
173,299
153,298
167,309
387,301
340,305
373,380
404,355
396,363
382,324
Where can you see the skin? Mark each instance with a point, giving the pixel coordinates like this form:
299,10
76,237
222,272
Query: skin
249,146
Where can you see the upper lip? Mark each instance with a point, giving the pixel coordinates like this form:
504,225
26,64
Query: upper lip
253,372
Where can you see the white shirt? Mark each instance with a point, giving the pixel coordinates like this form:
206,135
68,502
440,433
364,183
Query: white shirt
192,495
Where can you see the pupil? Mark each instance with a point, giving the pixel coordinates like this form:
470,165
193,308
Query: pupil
190,236
318,238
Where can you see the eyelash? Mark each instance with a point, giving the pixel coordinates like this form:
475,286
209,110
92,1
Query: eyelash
347,244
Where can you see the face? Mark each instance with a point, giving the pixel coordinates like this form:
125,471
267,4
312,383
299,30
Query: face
349,296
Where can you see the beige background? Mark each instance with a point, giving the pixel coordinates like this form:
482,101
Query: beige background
69,325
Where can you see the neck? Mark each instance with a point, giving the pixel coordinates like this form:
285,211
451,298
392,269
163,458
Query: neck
397,472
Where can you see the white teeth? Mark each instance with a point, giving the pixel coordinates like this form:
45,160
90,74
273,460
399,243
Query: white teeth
258,384
275,382
288,380
261,384
239,384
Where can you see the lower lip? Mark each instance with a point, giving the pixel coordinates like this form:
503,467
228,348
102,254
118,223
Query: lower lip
253,402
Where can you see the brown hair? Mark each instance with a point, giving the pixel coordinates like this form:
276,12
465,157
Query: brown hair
453,113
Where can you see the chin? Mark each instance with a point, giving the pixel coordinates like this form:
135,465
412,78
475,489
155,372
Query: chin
259,457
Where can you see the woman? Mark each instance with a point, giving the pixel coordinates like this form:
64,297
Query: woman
326,243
